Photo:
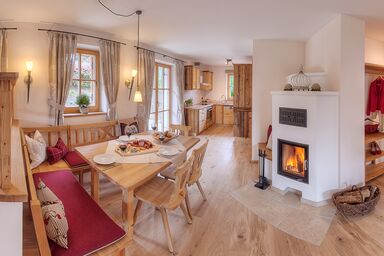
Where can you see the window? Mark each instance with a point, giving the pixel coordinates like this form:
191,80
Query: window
85,80
230,85
160,106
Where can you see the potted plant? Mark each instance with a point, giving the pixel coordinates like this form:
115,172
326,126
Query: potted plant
188,102
83,102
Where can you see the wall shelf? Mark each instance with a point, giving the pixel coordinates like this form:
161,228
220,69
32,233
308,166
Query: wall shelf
373,170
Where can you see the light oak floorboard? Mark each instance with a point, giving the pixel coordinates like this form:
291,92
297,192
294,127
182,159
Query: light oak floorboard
221,225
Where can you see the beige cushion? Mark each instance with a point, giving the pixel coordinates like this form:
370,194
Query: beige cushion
56,224
37,148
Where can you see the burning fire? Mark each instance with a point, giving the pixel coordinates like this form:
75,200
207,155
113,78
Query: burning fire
294,160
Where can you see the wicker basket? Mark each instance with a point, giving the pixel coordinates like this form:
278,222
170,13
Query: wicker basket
357,209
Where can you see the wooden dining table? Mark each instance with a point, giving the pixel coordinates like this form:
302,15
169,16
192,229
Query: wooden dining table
128,176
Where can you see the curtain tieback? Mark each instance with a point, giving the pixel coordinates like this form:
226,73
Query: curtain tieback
56,105
113,105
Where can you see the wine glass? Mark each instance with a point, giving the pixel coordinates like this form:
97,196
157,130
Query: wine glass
128,133
161,138
154,127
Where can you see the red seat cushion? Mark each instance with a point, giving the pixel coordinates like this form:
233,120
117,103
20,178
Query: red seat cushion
90,228
74,159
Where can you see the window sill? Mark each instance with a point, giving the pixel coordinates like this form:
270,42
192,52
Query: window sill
68,115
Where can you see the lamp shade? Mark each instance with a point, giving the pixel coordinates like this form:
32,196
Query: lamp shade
134,72
137,97
29,65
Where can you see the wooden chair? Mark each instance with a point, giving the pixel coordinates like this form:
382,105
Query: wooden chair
180,129
166,195
196,172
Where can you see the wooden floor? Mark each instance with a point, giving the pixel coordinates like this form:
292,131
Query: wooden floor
222,226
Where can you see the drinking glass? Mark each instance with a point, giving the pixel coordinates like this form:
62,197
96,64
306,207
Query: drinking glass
153,126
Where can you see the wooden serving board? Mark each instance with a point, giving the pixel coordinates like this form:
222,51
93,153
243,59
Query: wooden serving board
165,140
143,151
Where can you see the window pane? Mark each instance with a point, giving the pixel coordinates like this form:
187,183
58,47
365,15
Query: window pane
153,102
166,78
160,100
160,122
232,85
166,99
88,67
76,71
160,78
72,94
89,88
152,120
166,120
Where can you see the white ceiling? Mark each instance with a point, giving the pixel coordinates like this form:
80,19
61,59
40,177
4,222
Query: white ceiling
203,30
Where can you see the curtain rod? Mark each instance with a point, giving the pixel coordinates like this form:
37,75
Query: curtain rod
79,34
164,55
8,28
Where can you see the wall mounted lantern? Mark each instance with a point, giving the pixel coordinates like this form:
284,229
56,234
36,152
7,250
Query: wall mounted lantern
130,82
28,79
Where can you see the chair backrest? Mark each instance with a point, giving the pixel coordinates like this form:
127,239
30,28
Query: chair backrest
180,129
181,178
198,154
84,134
50,133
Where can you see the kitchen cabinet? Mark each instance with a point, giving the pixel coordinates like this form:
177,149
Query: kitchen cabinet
192,77
242,100
219,111
228,115
198,118
207,81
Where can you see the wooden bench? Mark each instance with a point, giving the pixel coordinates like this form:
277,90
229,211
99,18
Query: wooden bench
80,197
73,136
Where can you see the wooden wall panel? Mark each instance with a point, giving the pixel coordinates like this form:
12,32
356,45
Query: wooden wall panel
243,86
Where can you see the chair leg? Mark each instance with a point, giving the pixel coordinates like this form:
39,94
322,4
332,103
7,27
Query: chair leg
167,230
187,203
137,209
81,177
201,190
186,213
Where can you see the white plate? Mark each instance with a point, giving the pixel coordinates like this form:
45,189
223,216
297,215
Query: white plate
104,159
124,138
168,151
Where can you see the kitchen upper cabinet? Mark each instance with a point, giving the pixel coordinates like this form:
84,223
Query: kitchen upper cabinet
207,80
192,77
242,85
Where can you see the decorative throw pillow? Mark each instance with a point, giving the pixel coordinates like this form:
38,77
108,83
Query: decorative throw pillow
123,127
56,224
45,195
36,148
57,152
132,129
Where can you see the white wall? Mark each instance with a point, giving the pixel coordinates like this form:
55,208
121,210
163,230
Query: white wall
374,51
27,43
273,60
11,223
322,53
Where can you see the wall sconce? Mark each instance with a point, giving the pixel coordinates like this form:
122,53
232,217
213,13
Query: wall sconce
129,82
28,79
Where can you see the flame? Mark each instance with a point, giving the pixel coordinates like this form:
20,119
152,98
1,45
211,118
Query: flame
295,161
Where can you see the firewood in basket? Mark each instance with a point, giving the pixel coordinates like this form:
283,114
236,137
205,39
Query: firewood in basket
373,190
354,197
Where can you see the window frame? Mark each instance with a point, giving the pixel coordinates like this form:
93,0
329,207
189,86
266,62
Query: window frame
228,75
96,108
156,89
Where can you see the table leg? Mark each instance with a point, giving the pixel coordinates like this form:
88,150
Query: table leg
128,212
95,185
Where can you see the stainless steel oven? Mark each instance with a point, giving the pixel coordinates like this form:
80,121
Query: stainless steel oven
209,115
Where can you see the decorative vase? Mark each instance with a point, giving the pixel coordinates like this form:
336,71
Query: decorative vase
83,109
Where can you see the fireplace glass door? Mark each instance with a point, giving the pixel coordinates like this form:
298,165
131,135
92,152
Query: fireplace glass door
293,160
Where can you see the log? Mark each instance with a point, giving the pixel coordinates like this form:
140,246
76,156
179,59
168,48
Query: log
354,197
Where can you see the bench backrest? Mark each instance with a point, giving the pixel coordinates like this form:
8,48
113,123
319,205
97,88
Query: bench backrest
85,134
50,133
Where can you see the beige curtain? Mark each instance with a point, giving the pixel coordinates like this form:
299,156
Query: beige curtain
3,51
62,52
110,70
179,70
146,80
